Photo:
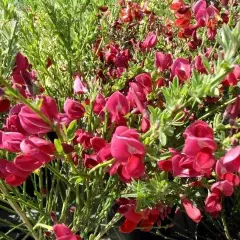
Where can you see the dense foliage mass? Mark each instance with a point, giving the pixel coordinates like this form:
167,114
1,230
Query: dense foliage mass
117,116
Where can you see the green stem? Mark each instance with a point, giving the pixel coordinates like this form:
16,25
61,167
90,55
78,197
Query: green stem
9,197
41,198
227,234
53,170
65,206
20,213
107,163
218,108
115,219
147,134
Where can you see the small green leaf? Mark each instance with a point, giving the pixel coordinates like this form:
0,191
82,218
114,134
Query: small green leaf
49,228
165,156
163,138
58,145
178,116
72,129
175,83
77,180
64,129
39,103
206,63
177,123
163,175
38,194
92,237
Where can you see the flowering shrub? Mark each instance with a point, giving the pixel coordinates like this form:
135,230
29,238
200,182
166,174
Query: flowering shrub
123,125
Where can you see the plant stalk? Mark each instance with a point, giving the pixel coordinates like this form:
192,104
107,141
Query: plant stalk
20,213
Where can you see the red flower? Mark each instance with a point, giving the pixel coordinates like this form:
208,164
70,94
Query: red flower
131,222
181,68
98,143
13,124
163,61
236,71
199,66
122,58
182,22
125,143
11,174
198,136
4,105
31,161
31,122
63,118
118,106
78,86
224,3
225,187
233,77
204,161
232,178
133,169
48,62
90,160
165,165
101,148
131,12
103,8
145,218
20,70
36,153
199,5
3,171
137,96
15,176
67,148
73,109
145,81
195,42
149,42
99,104
220,168
62,232
206,16
211,33
231,160
37,143
161,82
191,210
232,111
21,62
213,204
49,108
104,154
176,5
128,153
145,124
83,138
10,141
183,166
198,129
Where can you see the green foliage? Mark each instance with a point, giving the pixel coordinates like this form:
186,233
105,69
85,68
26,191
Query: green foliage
154,191
9,29
64,32
72,129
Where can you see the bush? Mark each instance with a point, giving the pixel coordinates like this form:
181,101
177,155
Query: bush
118,116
